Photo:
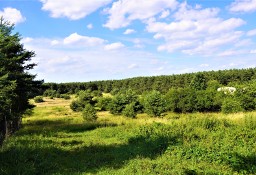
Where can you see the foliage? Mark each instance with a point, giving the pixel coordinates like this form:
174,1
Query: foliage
231,105
83,98
154,104
89,113
55,140
162,83
65,96
103,103
16,84
129,110
198,81
120,100
76,106
38,99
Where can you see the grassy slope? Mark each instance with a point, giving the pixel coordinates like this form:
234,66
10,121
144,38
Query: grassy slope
55,140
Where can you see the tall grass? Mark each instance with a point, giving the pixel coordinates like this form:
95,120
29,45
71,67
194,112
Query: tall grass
55,140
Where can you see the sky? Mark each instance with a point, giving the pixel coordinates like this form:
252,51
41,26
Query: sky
89,40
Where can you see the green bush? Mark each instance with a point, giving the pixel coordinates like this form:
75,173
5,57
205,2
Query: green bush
129,110
65,96
38,99
89,113
120,100
76,106
231,105
103,103
154,104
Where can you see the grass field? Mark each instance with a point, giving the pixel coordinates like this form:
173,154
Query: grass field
55,140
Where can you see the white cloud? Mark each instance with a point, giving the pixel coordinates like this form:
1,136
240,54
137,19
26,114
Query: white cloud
79,40
89,26
123,12
26,40
196,31
54,42
114,46
70,63
74,10
186,12
12,15
204,65
243,6
253,51
251,32
129,31
230,53
132,66
165,14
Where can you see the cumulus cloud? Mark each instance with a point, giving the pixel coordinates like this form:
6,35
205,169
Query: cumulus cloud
114,46
89,26
26,40
54,42
79,40
12,15
195,31
74,10
165,14
123,12
70,63
243,6
253,51
204,65
132,66
251,32
129,31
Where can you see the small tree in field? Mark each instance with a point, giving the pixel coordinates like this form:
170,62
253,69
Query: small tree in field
231,105
154,104
89,113
129,110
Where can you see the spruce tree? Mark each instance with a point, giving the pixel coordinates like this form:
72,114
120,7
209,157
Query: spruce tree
17,85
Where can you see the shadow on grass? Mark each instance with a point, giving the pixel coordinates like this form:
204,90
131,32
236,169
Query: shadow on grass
243,164
87,159
36,127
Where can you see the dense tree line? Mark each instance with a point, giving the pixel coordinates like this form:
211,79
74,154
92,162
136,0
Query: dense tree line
16,84
159,83
198,97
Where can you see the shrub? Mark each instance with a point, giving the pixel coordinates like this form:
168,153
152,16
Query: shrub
120,100
89,113
103,103
154,104
231,105
129,110
76,106
65,96
38,99
49,93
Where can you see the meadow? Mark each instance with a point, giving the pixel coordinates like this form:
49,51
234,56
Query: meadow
55,140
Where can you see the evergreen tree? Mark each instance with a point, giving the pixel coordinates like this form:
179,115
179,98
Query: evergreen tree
16,84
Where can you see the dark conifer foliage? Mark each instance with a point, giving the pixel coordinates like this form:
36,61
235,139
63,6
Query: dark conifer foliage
16,84
197,81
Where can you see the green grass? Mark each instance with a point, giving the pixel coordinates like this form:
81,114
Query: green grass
55,140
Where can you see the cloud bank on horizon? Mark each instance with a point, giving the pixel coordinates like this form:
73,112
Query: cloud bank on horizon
114,39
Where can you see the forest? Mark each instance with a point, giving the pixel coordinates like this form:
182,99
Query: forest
185,93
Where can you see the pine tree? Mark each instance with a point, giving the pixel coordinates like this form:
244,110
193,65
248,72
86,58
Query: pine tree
16,84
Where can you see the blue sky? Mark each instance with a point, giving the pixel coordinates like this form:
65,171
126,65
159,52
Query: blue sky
87,40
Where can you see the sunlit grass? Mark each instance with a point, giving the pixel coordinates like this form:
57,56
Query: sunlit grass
56,140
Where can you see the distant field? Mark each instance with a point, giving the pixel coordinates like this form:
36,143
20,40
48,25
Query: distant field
56,140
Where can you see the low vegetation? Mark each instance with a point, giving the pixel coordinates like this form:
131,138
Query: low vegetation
56,140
